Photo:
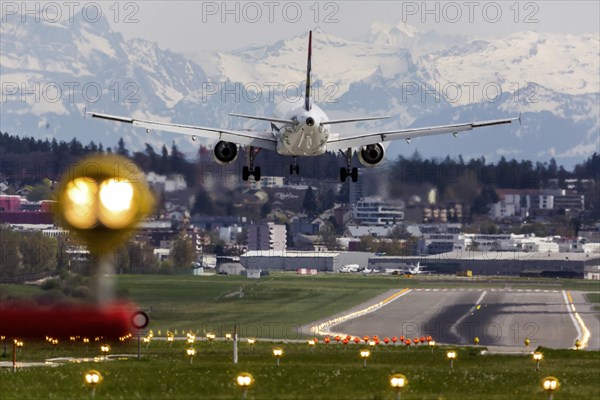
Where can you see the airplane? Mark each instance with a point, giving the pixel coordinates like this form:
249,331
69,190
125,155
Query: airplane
305,130
349,268
410,270
416,270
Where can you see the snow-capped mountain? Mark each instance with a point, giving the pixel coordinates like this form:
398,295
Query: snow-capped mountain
51,72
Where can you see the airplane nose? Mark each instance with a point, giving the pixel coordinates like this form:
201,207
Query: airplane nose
310,121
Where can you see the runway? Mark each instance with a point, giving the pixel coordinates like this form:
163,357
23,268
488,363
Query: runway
498,317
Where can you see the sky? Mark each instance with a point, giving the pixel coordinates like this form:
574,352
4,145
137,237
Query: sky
191,26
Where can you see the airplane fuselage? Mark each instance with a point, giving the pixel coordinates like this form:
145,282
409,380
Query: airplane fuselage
307,136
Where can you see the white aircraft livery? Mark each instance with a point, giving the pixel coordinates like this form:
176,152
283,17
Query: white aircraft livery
304,131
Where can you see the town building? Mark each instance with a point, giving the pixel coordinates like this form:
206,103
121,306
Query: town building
267,236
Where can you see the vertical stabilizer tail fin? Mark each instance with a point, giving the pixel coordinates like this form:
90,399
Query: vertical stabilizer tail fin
307,92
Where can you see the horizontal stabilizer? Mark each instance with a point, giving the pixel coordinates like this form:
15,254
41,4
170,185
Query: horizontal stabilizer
341,121
270,119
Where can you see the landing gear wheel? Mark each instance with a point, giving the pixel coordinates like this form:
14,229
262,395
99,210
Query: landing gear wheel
250,169
343,174
348,172
256,174
354,174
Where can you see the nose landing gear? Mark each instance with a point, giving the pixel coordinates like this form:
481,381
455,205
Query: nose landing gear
250,169
294,168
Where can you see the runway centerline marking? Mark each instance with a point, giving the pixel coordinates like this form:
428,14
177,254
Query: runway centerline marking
453,328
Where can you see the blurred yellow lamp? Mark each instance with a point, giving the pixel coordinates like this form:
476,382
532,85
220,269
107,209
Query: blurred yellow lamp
550,384
398,382
102,199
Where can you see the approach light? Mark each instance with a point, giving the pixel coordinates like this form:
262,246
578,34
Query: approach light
244,381
431,344
537,357
191,338
550,384
92,378
365,354
451,356
277,353
191,352
398,382
104,349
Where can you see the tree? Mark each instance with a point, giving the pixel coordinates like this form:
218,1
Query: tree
327,233
203,204
40,192
121,149
164,161
183,252
328,199
310,203
177,160
265,209
487,196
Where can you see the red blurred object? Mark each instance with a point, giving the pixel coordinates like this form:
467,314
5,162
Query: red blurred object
402,338
356,340
345,341
326,340
394,339
407,342
366,338
416,340
422,339
337,338
111,322
386,340
429,338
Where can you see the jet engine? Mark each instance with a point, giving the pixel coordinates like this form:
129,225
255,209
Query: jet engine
371,155
225,152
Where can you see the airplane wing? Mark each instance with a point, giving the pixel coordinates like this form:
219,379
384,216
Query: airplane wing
262,139
339,142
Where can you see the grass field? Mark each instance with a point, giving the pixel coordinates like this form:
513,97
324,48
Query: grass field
329,372
275,306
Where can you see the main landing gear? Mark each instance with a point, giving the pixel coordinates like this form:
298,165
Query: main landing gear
294,168
250,169
347,171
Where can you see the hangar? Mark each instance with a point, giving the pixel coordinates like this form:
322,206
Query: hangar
551,264
282,260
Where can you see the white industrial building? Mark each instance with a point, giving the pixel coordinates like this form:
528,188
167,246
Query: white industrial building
436,243
322,261
373,211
